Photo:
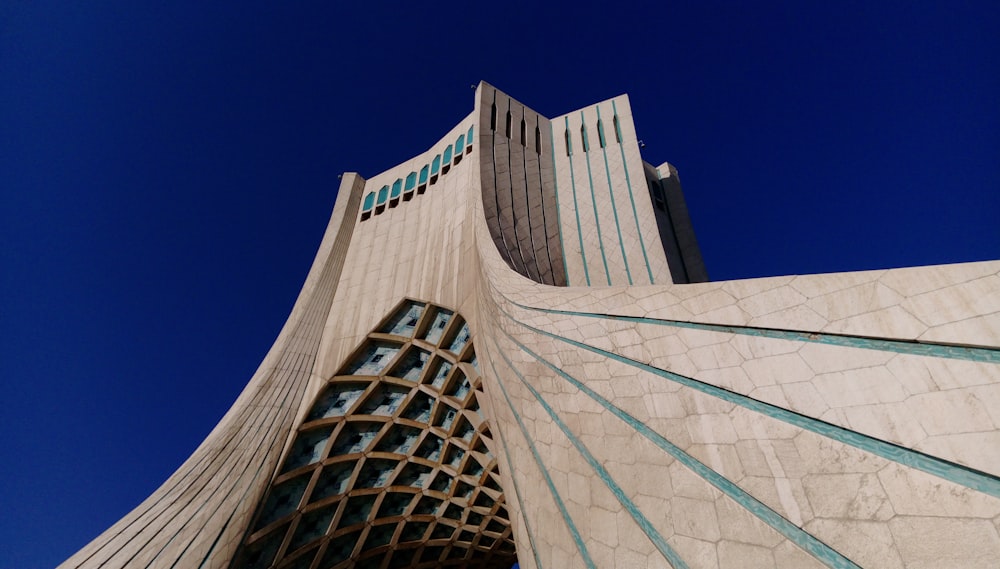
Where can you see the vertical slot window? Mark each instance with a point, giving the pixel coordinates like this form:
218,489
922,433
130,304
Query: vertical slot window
538,140
618,130
569,144
583,138
508,124
600,133
493,117
524,141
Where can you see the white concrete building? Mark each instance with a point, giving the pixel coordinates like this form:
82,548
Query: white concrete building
507,349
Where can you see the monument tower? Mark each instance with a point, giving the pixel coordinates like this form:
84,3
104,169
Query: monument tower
507,349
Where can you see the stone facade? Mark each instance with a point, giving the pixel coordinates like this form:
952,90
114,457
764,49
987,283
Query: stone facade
606,405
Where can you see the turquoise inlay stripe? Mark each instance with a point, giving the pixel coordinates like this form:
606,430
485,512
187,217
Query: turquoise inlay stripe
797,535
962,475
631,198
907,347
576,208
517,493
555,183
593,201
611,194
633,510
581,546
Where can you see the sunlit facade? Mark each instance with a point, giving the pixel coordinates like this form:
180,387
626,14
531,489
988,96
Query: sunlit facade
507,349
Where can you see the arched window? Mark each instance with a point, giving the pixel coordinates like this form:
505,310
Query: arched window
508,124
524,141
569,144
383,194
618,130
538,140
436,165
411,182
423,175
369,201
460,144
493,117
583,138
600,133
447,155
397,187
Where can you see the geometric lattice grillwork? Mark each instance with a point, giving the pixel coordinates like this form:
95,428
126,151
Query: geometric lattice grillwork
391,466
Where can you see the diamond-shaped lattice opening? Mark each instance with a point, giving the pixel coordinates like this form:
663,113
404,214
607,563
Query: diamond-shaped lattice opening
464,430
419,408
357,510
441,318
399,439
375,473
394,504
459,385
442,531
427,505
442,482
463,490
340,548
430,448
312,526
372,359
333,480
458,552
474,519
308,448
461,338
355,437
411,364
384,401
473,468
336,400
405,319
414,531
438,373
444,417
483,500
413,474
283,500
373,561
453,456
303,561
454,512
380,535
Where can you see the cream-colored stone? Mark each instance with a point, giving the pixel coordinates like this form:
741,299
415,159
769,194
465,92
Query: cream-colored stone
945,542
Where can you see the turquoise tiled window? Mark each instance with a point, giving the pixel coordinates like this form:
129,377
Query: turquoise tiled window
436,165
411,182
383,194
468,135
369,201
460,144
397,187
447,155
423,175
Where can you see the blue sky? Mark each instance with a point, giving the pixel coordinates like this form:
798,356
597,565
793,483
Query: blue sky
166,173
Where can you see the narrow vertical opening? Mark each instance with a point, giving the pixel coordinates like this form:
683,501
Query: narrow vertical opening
569,144
524,141
618,130
600,133
538,140
583,138
493,117
508,124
